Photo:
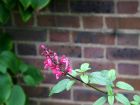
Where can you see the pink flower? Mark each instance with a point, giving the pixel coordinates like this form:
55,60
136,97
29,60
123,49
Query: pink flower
59,66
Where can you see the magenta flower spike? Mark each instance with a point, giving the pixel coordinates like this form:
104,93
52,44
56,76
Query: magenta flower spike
59,66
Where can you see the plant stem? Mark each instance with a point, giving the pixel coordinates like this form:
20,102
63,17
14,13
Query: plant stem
87,84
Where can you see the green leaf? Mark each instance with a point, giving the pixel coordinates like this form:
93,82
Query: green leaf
70,84
9,4
84,78
4,14
123,85
23,67
122,99
100,101
111,100
134,103
35,74
100,78
25,14
29,80
25,3
74,73
112,74
136,98
39,4
110,90
17,96
84,67
5,87
3,66
5,42
59,87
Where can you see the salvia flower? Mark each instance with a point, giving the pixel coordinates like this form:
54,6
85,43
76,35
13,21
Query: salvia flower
59,66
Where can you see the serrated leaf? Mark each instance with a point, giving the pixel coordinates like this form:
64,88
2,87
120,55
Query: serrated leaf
59,87
111,100
17,96
25,3
84,78
100,101
122,99
112,74
39,4
136,98
70,84
84,67
123,85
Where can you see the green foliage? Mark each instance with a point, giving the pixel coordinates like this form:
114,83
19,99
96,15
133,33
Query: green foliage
26,8
136,100
122,99
123,85
11,70
59,87
84,78
100,101
70,84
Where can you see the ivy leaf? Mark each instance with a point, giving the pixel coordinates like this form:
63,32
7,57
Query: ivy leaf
123,85
5,87
39,4
4,14
25,3
59,87
100,101
111,100
17,96
122,99
69,84
25,14
84,67
84,78
112,74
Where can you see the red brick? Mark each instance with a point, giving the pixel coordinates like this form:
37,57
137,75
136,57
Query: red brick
19,22
92,22
134,82
127,7
123,23
94,65
37,92
123,54
57,103
59,36
37,62
28,34
128,69
90,52
63,95
26,49
127,39
58,21
71,51
86,95
94,38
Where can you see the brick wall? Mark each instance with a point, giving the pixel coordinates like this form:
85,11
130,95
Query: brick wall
105,33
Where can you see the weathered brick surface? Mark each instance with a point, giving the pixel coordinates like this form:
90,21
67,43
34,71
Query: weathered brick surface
58,21
59,36
28,34
92,22
127,7
123,54
128,69
59,6
71,51
94,38
128,39
26,49
86,95
88,6
57,103
123,23
90,52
